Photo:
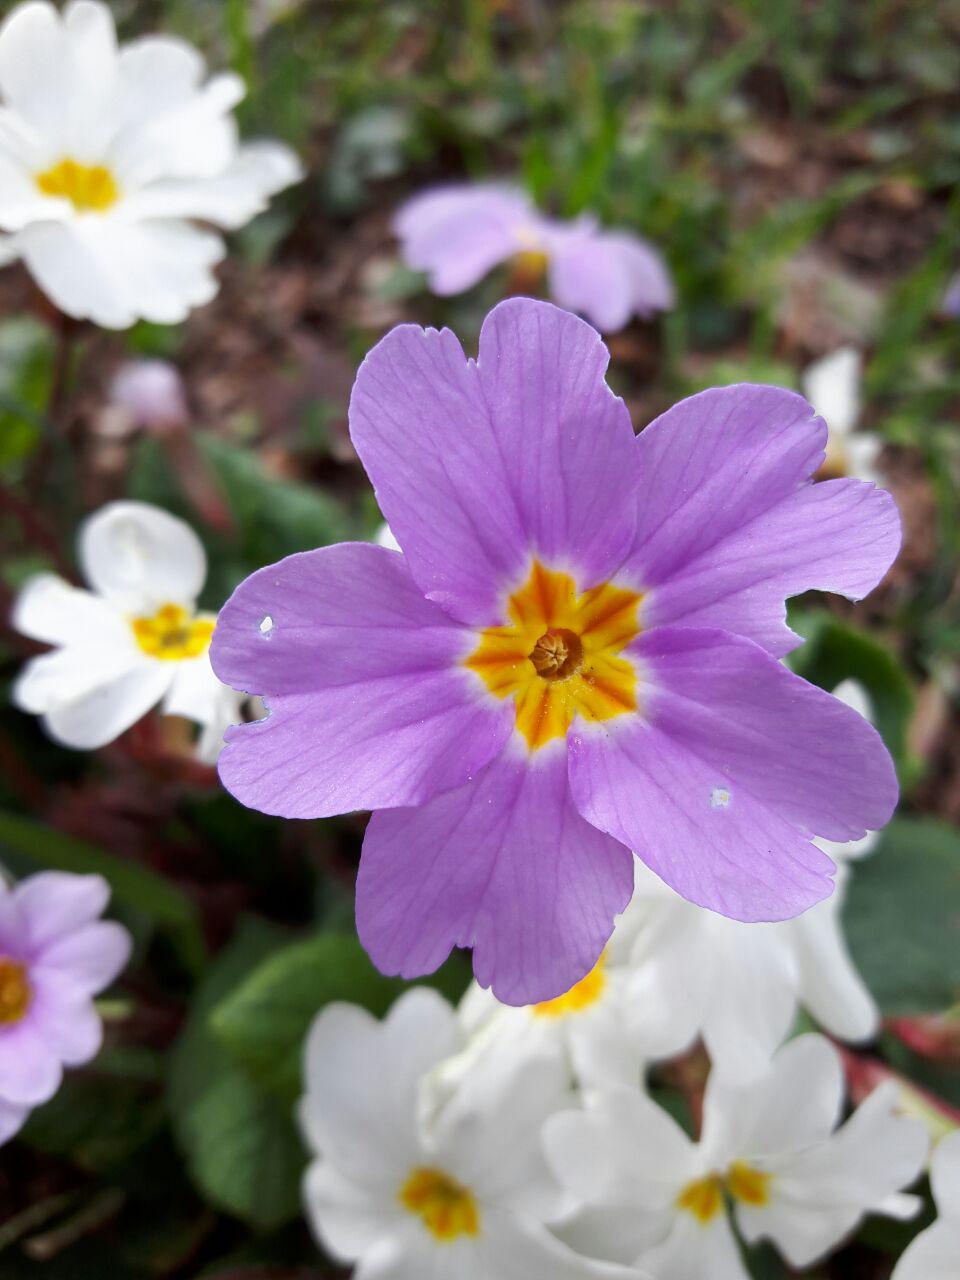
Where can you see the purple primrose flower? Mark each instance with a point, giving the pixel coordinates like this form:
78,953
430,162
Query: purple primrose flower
56,954
574,655
457,234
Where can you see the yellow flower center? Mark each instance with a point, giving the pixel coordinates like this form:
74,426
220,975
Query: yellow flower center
172,634
750,1185
581,996
447,1209
704,1198
89,188
15,992
558,654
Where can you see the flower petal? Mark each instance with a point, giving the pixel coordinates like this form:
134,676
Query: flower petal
103,714
729,527
30,1071
70,1025
50,610
55,904
89,959
115,272
12,1119
933,1254
728,770
363,1080
458,233
370,704
505,865
480,466
608,277
141,556
229,199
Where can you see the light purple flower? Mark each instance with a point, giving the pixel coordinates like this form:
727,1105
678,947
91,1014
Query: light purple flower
514,760
457,234
56,954
951,298
151,392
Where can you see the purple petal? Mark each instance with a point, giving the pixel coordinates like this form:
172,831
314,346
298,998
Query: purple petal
69,1026
729,524
370,705
12,1120
732,765
480,466
608,276
88,959
839,535
29,1067
55,904
505,865
457,234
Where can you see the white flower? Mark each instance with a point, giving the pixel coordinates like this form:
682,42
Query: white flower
769,1153
832,385
133,640
738,986
105,156
594,1029
935,1253
463,1193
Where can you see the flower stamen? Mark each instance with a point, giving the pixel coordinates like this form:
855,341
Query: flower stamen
446,1208
171,634
89,188
15,991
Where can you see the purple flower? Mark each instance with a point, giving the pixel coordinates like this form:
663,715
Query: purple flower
951,298
55,955
457,234
575,655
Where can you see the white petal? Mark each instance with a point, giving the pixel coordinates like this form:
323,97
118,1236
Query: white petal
616,1234
363,1082
191,137
512,1248
115,272
51,610
945,1176
9,250
933,1255
231,198
830,986
56,680
695,1251
104,714
347,1218
141,557
832,385
795,1104
384,537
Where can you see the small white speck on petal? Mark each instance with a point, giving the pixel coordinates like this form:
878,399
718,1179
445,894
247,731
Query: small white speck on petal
719,798
266,625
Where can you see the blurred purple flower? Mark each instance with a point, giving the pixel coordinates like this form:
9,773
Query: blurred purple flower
575,655
151,393
56,954
457,234
951,299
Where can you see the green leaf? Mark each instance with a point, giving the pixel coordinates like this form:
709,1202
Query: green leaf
240,1141
902,917
132,886
264,1021
834,652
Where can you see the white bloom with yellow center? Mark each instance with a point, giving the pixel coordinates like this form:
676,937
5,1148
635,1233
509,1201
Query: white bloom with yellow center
935,1253
832,385
770,1153
694,973
133,640
594,1030
108,153
463,1192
